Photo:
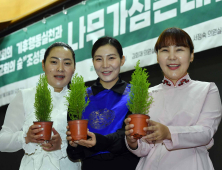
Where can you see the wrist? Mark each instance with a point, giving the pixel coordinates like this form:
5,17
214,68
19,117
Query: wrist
168,134
26,140
133,145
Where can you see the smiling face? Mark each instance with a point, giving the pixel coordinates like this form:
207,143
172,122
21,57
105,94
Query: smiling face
107,63
175,51
59,67
174,61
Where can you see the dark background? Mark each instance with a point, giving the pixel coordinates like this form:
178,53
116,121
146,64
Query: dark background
207,66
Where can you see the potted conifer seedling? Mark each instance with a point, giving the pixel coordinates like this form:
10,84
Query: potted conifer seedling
139,101
43,108
76,105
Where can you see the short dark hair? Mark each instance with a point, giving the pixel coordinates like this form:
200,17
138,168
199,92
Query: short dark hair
174,36
59,44
107,40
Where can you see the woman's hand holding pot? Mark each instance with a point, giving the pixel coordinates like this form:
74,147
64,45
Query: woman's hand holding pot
54,143
89,142
31,134
69,138
128,131
159,131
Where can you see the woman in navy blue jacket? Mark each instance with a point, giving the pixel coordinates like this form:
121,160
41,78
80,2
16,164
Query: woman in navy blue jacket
106,113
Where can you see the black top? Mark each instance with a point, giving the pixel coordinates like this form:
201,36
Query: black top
119,87
119,157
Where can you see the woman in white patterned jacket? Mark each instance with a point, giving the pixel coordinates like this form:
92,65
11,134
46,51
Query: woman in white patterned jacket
18,131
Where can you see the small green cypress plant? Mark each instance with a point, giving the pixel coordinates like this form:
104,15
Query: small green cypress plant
76,98
43,100
139,100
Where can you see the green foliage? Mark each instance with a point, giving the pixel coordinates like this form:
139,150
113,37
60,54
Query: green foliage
139,99
43,100
76,97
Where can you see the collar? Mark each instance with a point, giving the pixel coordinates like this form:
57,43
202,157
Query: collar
64,90
180,83
119,87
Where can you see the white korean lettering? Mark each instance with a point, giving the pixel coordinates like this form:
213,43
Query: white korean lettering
158,16
95,21
3,54
6,53
123,16
29,60
115,10
41,55
82,31
11,66
24,45
38,39
51,35
199,3
95,35
19,64
1,70
19,45
186,6
58,32
135,7
45,38
70,36
147,5
24,58
144,19
206,2
6,68
31,43
91,25
141,20
36,57
9,52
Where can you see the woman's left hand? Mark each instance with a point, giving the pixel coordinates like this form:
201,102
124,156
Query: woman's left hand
159,131
88,143
54,143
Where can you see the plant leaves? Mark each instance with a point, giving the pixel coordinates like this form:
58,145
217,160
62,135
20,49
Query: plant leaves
43,100
76,97
139,100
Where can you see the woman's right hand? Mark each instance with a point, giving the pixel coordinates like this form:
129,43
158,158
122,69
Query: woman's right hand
69,138
128,131
31,134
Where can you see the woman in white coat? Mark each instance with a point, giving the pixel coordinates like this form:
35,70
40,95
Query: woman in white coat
18,131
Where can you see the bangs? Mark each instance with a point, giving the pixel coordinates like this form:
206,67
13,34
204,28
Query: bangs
171,37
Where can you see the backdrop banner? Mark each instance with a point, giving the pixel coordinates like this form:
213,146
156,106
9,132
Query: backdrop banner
135,23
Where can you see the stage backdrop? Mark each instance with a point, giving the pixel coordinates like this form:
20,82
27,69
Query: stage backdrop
135,23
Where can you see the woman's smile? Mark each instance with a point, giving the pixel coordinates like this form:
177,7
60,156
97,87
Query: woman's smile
173,66
59,67
107,63
174,61
106,73
59,77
